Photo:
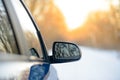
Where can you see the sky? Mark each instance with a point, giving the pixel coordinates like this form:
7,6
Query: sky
76,11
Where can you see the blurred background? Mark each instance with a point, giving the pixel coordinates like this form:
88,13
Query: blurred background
94,23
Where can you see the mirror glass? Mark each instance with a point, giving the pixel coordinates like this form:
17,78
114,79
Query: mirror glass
64,50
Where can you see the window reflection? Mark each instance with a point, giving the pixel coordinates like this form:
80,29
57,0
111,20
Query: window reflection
65,50
7,40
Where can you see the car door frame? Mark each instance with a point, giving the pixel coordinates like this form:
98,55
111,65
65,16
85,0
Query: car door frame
17,27
20,39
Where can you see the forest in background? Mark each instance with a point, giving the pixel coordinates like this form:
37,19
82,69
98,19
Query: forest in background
100,30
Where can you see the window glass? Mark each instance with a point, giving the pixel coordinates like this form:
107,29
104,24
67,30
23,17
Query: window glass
29,30
7,39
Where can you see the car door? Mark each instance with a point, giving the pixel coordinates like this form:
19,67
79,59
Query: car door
20,51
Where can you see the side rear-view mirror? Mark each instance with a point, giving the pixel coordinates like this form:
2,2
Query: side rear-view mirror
65,52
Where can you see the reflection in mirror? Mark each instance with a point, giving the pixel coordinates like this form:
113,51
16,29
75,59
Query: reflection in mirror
66,50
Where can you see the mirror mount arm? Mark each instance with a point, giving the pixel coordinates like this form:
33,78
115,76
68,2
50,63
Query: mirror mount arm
51,60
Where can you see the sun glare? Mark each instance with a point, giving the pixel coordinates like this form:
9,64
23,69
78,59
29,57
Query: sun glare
76,11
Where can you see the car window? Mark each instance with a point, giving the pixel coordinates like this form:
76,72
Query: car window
7,39
28,29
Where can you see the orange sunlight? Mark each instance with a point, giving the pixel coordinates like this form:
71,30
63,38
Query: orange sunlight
76,11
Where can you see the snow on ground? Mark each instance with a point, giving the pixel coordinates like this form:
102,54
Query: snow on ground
94,64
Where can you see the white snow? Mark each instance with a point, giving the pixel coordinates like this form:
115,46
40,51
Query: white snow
94,64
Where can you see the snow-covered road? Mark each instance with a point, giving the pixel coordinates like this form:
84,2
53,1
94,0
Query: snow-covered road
94,65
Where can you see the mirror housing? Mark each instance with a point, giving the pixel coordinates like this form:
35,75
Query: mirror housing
65,52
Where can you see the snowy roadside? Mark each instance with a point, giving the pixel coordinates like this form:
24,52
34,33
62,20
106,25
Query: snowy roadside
94,65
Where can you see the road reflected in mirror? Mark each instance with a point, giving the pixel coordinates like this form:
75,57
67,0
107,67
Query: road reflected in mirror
66,50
